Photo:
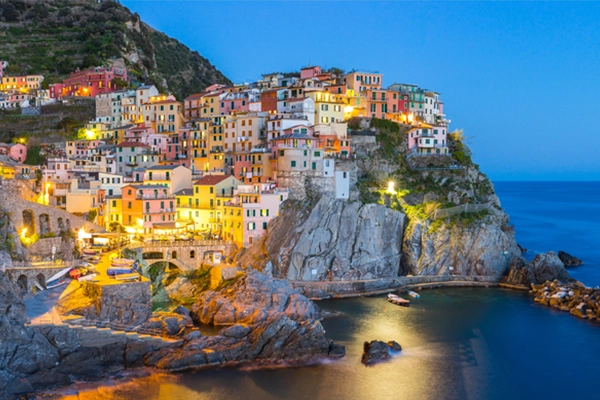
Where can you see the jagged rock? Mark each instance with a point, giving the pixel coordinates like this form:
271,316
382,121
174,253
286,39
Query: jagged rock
477,250
253,298
376,351
544,267
169,323
523,249
569,260
335,240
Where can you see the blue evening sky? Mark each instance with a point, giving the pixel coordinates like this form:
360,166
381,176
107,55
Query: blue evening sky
521,78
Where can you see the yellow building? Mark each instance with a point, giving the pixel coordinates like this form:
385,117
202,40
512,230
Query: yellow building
113,211
204,206
207,145
211,106
328,107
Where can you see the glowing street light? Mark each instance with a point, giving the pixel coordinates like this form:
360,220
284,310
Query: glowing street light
89,134
390,188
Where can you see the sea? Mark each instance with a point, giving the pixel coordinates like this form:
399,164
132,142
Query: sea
457,343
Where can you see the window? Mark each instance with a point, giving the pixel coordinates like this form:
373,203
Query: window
293,164
251,226
314,166
212,190
264,212
264,225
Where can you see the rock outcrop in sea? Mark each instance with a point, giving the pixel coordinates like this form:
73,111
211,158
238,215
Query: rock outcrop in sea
569,260
544,267
376,351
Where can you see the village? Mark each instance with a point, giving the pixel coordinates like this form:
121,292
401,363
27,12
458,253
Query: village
218,164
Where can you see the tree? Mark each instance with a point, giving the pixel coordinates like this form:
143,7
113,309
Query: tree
119,83
68,124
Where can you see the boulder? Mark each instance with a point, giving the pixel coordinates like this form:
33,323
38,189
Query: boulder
544,267
253,298
169,323
376,351
569,260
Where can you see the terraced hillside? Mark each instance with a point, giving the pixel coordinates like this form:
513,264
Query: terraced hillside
54,37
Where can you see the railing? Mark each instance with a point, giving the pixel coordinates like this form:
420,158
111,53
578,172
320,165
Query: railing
44,264
448,212
157,243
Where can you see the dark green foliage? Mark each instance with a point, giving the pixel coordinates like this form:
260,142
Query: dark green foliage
54,37
34,157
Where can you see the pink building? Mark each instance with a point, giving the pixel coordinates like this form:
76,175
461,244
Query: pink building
147,206
310,72
17,152
428,140
55,90
92,81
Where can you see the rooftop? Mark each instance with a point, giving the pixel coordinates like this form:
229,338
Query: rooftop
210,180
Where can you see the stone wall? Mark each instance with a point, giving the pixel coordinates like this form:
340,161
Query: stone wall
46,218
303,184
126,303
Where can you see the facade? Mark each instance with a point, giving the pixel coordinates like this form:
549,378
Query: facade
247,215
361,81
93,81
428,140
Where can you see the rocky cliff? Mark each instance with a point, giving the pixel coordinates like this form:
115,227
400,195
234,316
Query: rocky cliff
423,227
271,323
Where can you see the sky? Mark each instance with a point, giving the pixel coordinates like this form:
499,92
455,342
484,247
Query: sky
520,78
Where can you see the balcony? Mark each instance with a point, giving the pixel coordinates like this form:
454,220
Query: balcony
161,211
154,197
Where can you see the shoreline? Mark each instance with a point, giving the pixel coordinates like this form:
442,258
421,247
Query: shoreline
324,290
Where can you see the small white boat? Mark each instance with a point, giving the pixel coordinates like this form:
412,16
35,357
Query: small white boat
127,277
89,277
414,295
392,298
55,284
38,286
58,275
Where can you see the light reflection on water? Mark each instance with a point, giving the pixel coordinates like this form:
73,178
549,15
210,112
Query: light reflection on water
444,356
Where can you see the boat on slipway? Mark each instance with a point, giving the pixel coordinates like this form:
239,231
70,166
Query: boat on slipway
56,284
114,271
58,275
399,301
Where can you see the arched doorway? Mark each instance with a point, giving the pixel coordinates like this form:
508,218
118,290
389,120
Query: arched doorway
61,224
28,222
44,224
41,279
22,283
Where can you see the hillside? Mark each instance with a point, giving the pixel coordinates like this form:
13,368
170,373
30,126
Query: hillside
55,37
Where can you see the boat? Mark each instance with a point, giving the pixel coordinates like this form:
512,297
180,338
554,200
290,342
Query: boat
392,298
90,252
414,295
127,277
58,275
38,286
55,284
89,277
121,262
114,271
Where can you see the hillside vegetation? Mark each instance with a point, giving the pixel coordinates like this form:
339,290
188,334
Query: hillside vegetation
54,37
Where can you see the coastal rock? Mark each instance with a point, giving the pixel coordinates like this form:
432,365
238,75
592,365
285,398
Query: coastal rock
574,297
167,323
569,260
544,267
376,351
252,298
333,240
476,250
523,249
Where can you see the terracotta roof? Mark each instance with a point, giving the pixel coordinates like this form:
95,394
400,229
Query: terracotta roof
195,96
211,180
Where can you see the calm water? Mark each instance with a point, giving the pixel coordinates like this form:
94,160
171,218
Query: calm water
458,343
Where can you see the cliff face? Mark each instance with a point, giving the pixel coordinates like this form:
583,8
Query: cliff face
335,240
55,37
